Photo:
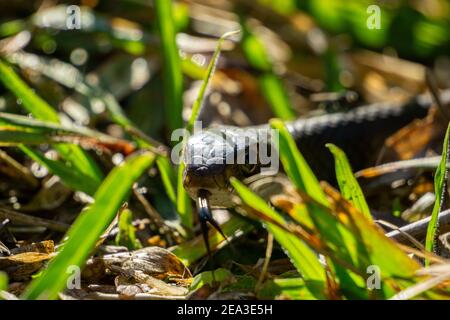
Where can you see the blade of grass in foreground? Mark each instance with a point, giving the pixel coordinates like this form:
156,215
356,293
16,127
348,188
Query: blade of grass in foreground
291,288
439,188
302,257
295,165
80,160
348,184
304,179
173,80
89,226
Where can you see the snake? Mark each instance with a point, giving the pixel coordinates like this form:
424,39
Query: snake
211,155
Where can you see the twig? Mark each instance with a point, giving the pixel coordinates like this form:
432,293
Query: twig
11,167
31,220
428,163
420,287
405,234
266,261
418,229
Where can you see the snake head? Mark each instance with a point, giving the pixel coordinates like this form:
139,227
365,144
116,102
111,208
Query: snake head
215,155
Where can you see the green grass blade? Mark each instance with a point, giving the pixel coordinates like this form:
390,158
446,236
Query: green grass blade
173,80
295,164
168,177
79,159
207,79
184,206
29,130
303,258
290,288
173,86
52,69
89,226
298,170
32,102
209,278
440,179
3,281
73,179
348,184
127,232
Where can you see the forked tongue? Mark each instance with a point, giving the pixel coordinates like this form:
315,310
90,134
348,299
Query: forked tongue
205,217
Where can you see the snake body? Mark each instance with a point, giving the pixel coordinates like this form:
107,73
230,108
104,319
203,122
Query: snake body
360,132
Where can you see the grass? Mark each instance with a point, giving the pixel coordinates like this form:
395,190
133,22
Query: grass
127,232
302,257
327,223
173,80
72,78
76,156
3,281
440,180
329,236
89,226
348,184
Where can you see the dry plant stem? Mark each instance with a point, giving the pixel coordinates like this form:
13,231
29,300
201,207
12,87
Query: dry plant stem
18,217
420,287
418,229
8,162
394,227
422,254
269,249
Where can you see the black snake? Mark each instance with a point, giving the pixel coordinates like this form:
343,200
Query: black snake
211,155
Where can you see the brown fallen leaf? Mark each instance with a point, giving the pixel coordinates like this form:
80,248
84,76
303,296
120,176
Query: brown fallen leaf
46,246
21,266
154,261
415,138
27,259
